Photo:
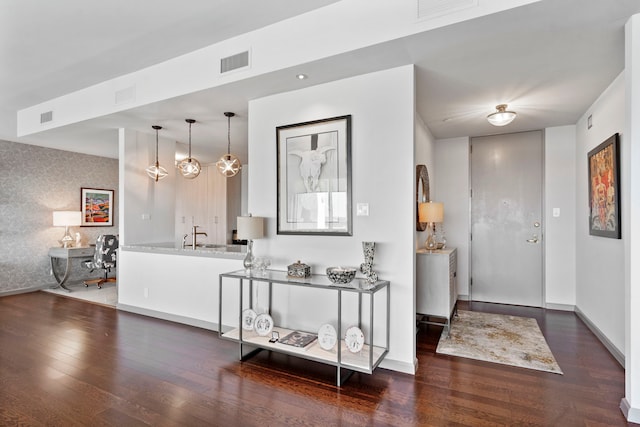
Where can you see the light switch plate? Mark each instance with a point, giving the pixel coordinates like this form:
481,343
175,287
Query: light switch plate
556,212
362,209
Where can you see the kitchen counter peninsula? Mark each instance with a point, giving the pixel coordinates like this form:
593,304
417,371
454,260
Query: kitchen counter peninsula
163,280
204,250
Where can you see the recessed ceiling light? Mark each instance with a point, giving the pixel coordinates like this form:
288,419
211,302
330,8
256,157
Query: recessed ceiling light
301,76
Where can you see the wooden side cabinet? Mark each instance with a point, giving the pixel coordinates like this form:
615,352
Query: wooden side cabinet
436,290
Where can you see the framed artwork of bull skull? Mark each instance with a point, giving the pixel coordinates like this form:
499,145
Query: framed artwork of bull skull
314,177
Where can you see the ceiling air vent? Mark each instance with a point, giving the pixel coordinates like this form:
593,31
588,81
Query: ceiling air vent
46,117
234,62
434,8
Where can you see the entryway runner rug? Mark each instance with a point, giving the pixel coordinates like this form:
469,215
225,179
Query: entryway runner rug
509,340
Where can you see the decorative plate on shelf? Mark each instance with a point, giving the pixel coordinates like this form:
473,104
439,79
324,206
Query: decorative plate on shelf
263,324
248,319
354,339
327,336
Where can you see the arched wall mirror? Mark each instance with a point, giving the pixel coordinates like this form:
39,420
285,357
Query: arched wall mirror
422,193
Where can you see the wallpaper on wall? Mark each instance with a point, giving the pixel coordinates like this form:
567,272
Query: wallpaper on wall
34,182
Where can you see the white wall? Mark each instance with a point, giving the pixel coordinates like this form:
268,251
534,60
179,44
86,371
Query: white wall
354,24
599,260
452,189
425,155
560,231
631,220
383,169
177,287
140,195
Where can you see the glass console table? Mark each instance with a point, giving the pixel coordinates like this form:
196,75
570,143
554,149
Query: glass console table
365,360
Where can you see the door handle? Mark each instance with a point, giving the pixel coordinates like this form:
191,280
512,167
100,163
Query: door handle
533,240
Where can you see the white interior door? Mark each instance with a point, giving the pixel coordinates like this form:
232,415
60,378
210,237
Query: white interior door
506,218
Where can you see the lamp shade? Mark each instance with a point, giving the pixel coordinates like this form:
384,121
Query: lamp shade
250,227
66,218
431,212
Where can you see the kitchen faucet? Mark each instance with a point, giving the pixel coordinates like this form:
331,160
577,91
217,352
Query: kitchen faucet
194,236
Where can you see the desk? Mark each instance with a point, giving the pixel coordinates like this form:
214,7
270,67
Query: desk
67,254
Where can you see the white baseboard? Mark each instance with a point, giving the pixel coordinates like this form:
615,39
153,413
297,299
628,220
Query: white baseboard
631,414
562,307
463,297
170,317
23,290
399,366
617,354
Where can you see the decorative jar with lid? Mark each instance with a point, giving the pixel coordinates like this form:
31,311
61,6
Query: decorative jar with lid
298,270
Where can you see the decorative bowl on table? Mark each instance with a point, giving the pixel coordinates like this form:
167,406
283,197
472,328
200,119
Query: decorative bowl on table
341,275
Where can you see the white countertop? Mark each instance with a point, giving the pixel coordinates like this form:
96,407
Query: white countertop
210,251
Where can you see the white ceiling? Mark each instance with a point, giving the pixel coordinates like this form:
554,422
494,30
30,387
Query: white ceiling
549,60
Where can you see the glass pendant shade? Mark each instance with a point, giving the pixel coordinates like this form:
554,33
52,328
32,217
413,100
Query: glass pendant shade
229,165
155,171
190,167
501,117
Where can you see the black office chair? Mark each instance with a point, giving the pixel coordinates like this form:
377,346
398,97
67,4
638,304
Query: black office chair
104,258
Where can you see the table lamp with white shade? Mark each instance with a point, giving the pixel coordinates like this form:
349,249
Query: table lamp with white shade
431,213
67,219
249,228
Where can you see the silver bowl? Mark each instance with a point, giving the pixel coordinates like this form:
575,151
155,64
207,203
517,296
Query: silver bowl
341,275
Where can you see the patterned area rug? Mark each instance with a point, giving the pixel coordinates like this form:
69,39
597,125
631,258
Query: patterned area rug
509,340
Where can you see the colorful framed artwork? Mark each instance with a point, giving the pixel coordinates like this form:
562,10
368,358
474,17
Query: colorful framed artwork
314,177
97,207
604,189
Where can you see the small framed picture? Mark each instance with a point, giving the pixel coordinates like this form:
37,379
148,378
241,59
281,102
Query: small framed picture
97,207
604,189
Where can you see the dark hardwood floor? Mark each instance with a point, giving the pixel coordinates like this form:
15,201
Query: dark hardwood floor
68,363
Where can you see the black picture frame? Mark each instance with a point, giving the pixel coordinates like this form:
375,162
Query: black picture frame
314,177
604,189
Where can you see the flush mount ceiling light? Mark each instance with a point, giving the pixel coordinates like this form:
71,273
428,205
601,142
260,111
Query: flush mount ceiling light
229,165
189,167
155,171
501,116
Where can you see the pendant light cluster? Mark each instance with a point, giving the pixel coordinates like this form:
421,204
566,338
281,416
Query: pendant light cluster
190,167
229,165
155,171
